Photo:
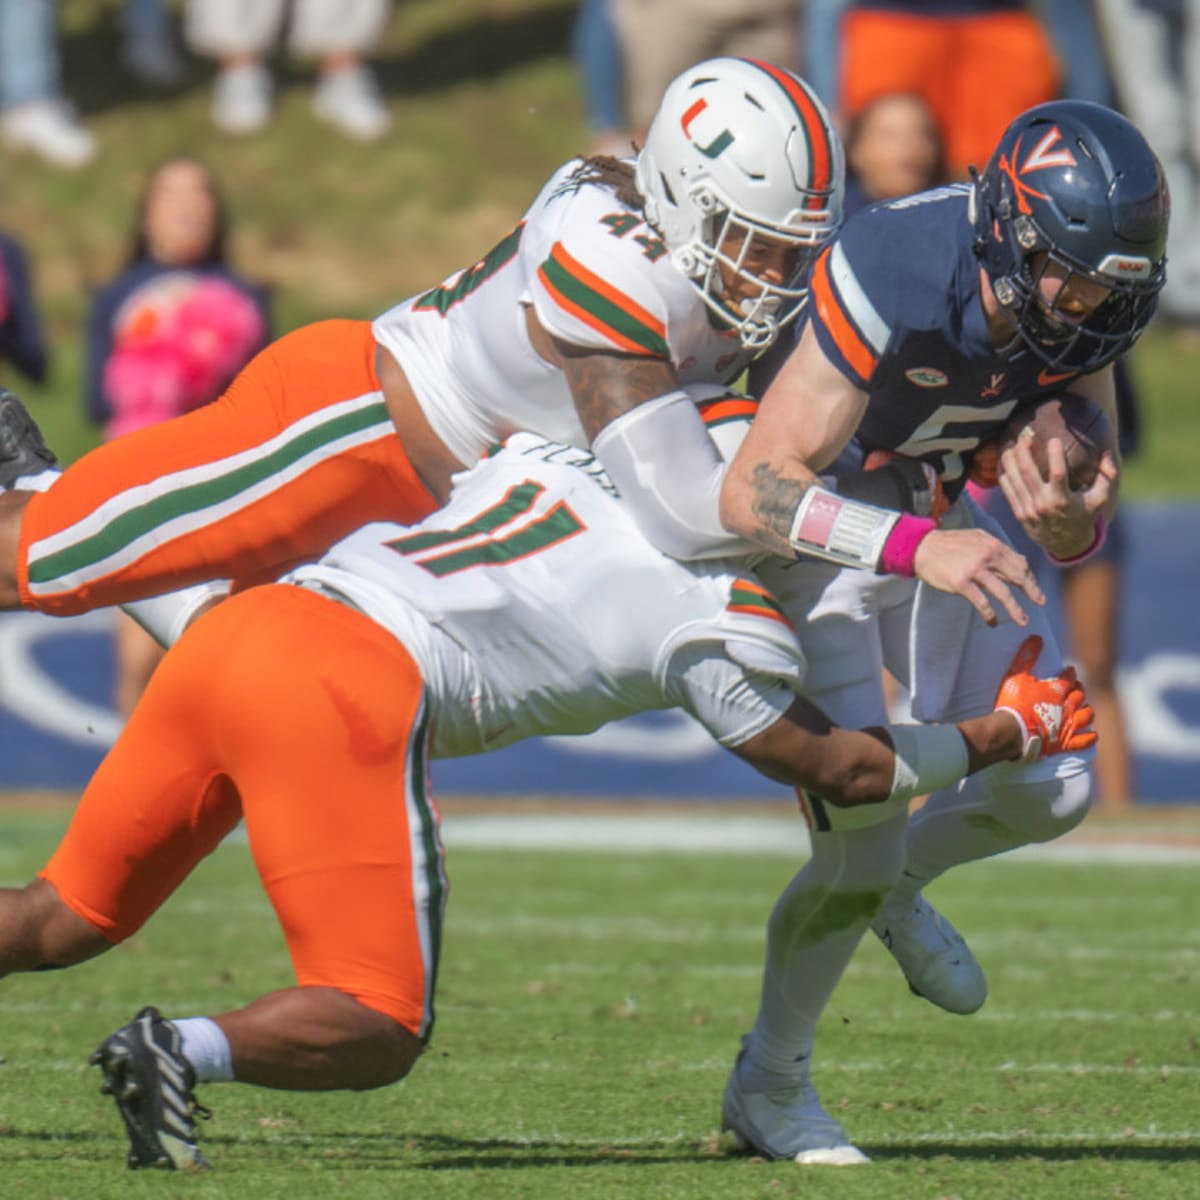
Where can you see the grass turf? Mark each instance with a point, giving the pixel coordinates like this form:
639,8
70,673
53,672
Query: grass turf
589,1008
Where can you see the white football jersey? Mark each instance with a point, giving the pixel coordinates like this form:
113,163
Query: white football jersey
534,606
597,276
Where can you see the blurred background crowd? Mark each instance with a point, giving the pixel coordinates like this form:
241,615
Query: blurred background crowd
181,181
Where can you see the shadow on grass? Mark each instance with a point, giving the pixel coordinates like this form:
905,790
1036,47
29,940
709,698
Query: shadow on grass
480,49
1116,1149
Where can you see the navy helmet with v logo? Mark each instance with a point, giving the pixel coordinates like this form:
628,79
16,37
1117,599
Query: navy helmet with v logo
1076,185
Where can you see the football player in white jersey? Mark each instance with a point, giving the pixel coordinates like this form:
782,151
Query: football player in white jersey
529,605
624,281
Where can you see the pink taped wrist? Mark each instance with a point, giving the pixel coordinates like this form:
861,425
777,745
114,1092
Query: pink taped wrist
1083,556
900,549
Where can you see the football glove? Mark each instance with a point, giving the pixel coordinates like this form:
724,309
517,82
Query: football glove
1053,713
891,480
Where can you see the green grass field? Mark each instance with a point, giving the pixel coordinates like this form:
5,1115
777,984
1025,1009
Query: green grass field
590,1005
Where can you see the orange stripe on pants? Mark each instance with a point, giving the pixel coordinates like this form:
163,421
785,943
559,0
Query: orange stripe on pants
296,521
303,716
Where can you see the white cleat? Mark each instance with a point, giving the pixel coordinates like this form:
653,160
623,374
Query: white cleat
936,961
782,1118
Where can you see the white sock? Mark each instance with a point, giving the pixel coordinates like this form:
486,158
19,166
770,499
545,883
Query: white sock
813,932
206,1047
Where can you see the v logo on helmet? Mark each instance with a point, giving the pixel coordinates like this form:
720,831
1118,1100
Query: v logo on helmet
719,143
1049,152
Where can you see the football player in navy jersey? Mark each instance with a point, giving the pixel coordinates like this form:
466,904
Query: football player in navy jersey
931,320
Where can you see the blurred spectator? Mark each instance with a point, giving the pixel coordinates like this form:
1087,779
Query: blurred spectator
893,148
1089,597
597,54
1074,30
239,34
821,47
1154,51
167,335
34,114
661,38
21,342
150,50
978,63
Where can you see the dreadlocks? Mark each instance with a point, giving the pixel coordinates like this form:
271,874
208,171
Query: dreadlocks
613,173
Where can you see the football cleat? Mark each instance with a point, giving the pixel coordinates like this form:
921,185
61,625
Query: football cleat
936,961
150,1080
23,452
781,1117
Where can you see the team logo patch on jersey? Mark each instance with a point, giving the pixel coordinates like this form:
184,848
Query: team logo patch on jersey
927,377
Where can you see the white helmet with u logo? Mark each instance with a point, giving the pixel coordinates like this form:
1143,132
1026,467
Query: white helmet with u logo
741,148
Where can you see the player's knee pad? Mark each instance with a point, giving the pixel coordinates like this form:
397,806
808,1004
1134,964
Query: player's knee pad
1043,800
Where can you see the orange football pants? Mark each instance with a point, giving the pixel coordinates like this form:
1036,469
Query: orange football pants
296,454
977,72
307,719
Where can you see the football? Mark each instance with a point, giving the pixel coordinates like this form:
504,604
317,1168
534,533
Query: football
1079,423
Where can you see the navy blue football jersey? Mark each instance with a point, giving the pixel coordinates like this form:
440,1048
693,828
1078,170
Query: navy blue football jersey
895,305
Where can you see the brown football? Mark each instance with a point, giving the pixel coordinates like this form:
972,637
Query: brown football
1079,423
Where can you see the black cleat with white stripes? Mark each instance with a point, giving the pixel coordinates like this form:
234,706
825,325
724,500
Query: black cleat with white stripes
146,1074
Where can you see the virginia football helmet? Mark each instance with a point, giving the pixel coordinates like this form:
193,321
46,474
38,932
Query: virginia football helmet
740,156
1075,184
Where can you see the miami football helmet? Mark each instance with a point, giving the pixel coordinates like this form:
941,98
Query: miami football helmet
742,176
1074,189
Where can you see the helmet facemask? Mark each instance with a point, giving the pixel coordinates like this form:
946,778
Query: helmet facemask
1054,334
725,255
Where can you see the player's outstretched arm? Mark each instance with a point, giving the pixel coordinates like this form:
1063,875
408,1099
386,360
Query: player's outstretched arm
849,767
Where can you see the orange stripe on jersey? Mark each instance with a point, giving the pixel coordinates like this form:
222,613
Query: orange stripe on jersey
582,314
728,408
753,600
814,128
847,339
597,303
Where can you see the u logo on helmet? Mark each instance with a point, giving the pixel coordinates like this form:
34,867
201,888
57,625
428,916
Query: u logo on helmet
721,142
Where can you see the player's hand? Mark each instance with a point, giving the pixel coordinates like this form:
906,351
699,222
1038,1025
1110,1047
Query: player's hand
975,565
1058,519
1053,713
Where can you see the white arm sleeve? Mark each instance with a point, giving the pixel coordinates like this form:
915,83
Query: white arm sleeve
165,618
669,472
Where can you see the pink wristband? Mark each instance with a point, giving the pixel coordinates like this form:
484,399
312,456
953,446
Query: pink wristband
1083,556
900,549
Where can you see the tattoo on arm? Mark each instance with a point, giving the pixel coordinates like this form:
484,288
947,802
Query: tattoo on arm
604,386
775,500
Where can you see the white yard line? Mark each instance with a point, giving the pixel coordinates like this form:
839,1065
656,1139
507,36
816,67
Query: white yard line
693,830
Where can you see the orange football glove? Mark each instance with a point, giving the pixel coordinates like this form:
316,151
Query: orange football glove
1054,714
